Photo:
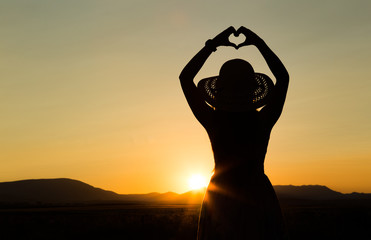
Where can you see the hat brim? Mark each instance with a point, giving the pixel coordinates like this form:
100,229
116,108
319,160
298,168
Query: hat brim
259,97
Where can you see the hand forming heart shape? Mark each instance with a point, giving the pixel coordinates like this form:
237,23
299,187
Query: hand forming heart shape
231,37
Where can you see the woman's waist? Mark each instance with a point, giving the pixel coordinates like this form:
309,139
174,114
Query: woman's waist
236,169
236,162
239,154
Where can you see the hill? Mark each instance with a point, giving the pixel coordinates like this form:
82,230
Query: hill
310,192
60,190
69,191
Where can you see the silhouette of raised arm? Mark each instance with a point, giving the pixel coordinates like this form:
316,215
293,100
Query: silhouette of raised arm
196,102
273,109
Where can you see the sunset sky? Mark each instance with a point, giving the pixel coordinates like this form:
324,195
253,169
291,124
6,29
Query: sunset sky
89,90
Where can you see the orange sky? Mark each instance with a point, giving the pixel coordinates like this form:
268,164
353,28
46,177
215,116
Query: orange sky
89,90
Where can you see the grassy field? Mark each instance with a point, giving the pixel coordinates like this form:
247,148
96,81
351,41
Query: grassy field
146,221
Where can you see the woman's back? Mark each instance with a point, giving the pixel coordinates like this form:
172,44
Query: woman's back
239,139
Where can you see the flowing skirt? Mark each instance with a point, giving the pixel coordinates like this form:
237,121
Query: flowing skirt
240,206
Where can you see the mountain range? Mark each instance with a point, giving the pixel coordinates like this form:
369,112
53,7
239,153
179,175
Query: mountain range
69,191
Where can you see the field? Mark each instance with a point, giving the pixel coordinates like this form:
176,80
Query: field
331,220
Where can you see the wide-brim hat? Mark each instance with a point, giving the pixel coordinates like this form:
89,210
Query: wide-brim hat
253,99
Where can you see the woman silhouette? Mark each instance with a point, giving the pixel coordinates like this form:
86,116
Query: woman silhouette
240,202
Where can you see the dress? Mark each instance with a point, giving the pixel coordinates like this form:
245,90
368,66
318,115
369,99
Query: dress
240,202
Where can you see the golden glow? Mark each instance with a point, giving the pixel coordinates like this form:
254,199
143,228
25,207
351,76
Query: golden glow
197,181
96,97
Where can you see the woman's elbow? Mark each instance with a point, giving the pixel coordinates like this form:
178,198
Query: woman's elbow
185,78
182,77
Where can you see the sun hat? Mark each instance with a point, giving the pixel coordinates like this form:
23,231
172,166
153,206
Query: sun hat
245,95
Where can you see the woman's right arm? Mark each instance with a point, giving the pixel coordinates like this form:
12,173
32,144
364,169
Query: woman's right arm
195,101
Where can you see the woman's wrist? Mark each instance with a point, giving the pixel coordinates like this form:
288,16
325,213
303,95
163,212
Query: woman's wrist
259,42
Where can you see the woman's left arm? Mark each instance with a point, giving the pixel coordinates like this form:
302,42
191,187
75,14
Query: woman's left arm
196,102
273,109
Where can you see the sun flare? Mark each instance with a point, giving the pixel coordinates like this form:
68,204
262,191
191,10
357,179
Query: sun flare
197,181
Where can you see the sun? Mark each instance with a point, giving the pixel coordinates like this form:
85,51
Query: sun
197,181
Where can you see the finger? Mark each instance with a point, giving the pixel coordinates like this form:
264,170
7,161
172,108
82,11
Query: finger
230,30
241,30
232,45
246,43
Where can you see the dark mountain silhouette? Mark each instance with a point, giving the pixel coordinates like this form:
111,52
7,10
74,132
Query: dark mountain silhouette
149,197
192,197
312,192
315,192
62,191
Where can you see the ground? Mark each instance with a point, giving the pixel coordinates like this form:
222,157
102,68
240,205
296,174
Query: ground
314,220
